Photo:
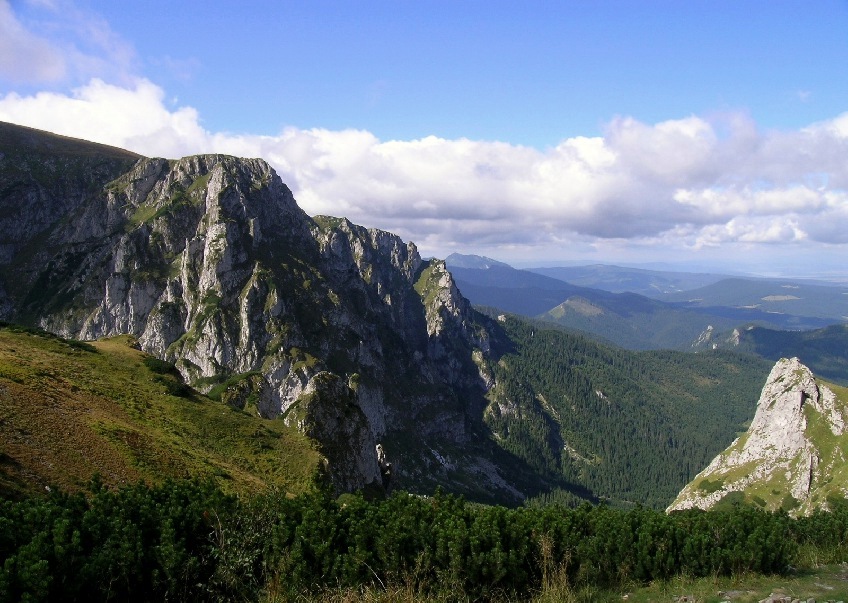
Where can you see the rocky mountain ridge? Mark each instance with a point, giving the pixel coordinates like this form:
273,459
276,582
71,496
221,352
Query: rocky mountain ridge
792,455
209,262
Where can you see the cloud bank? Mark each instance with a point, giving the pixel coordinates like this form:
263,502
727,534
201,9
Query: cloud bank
691,183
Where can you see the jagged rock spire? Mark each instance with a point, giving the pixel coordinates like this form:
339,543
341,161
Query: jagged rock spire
789,453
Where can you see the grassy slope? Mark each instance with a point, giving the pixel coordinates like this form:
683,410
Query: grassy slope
68,410
821,583
14,137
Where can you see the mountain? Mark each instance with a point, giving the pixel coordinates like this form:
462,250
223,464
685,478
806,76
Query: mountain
211,265
793,454
487,282
35,171
825,350
71,409
791,304
619,279
457,260
626,319
343,332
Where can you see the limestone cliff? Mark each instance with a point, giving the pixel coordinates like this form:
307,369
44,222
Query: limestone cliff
210,263
793,455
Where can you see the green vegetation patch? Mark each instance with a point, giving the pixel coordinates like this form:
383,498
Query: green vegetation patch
790,503
229,383
190,541
179,198
327,223
198,187
709,487
427,283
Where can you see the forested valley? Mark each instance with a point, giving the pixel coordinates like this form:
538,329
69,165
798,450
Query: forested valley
626,427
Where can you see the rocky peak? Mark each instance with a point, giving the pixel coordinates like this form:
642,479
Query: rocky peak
780,422
789,453
366,248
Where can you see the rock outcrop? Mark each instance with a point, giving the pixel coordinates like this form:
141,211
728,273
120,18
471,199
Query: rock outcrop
209,262
792,455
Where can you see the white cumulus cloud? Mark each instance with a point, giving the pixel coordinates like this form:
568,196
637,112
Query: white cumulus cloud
695,182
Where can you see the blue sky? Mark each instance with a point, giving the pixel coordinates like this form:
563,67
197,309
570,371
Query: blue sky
710,133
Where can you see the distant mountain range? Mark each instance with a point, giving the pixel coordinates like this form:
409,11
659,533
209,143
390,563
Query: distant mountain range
824,350
793,303
665,320
772,318
660,284
618,279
